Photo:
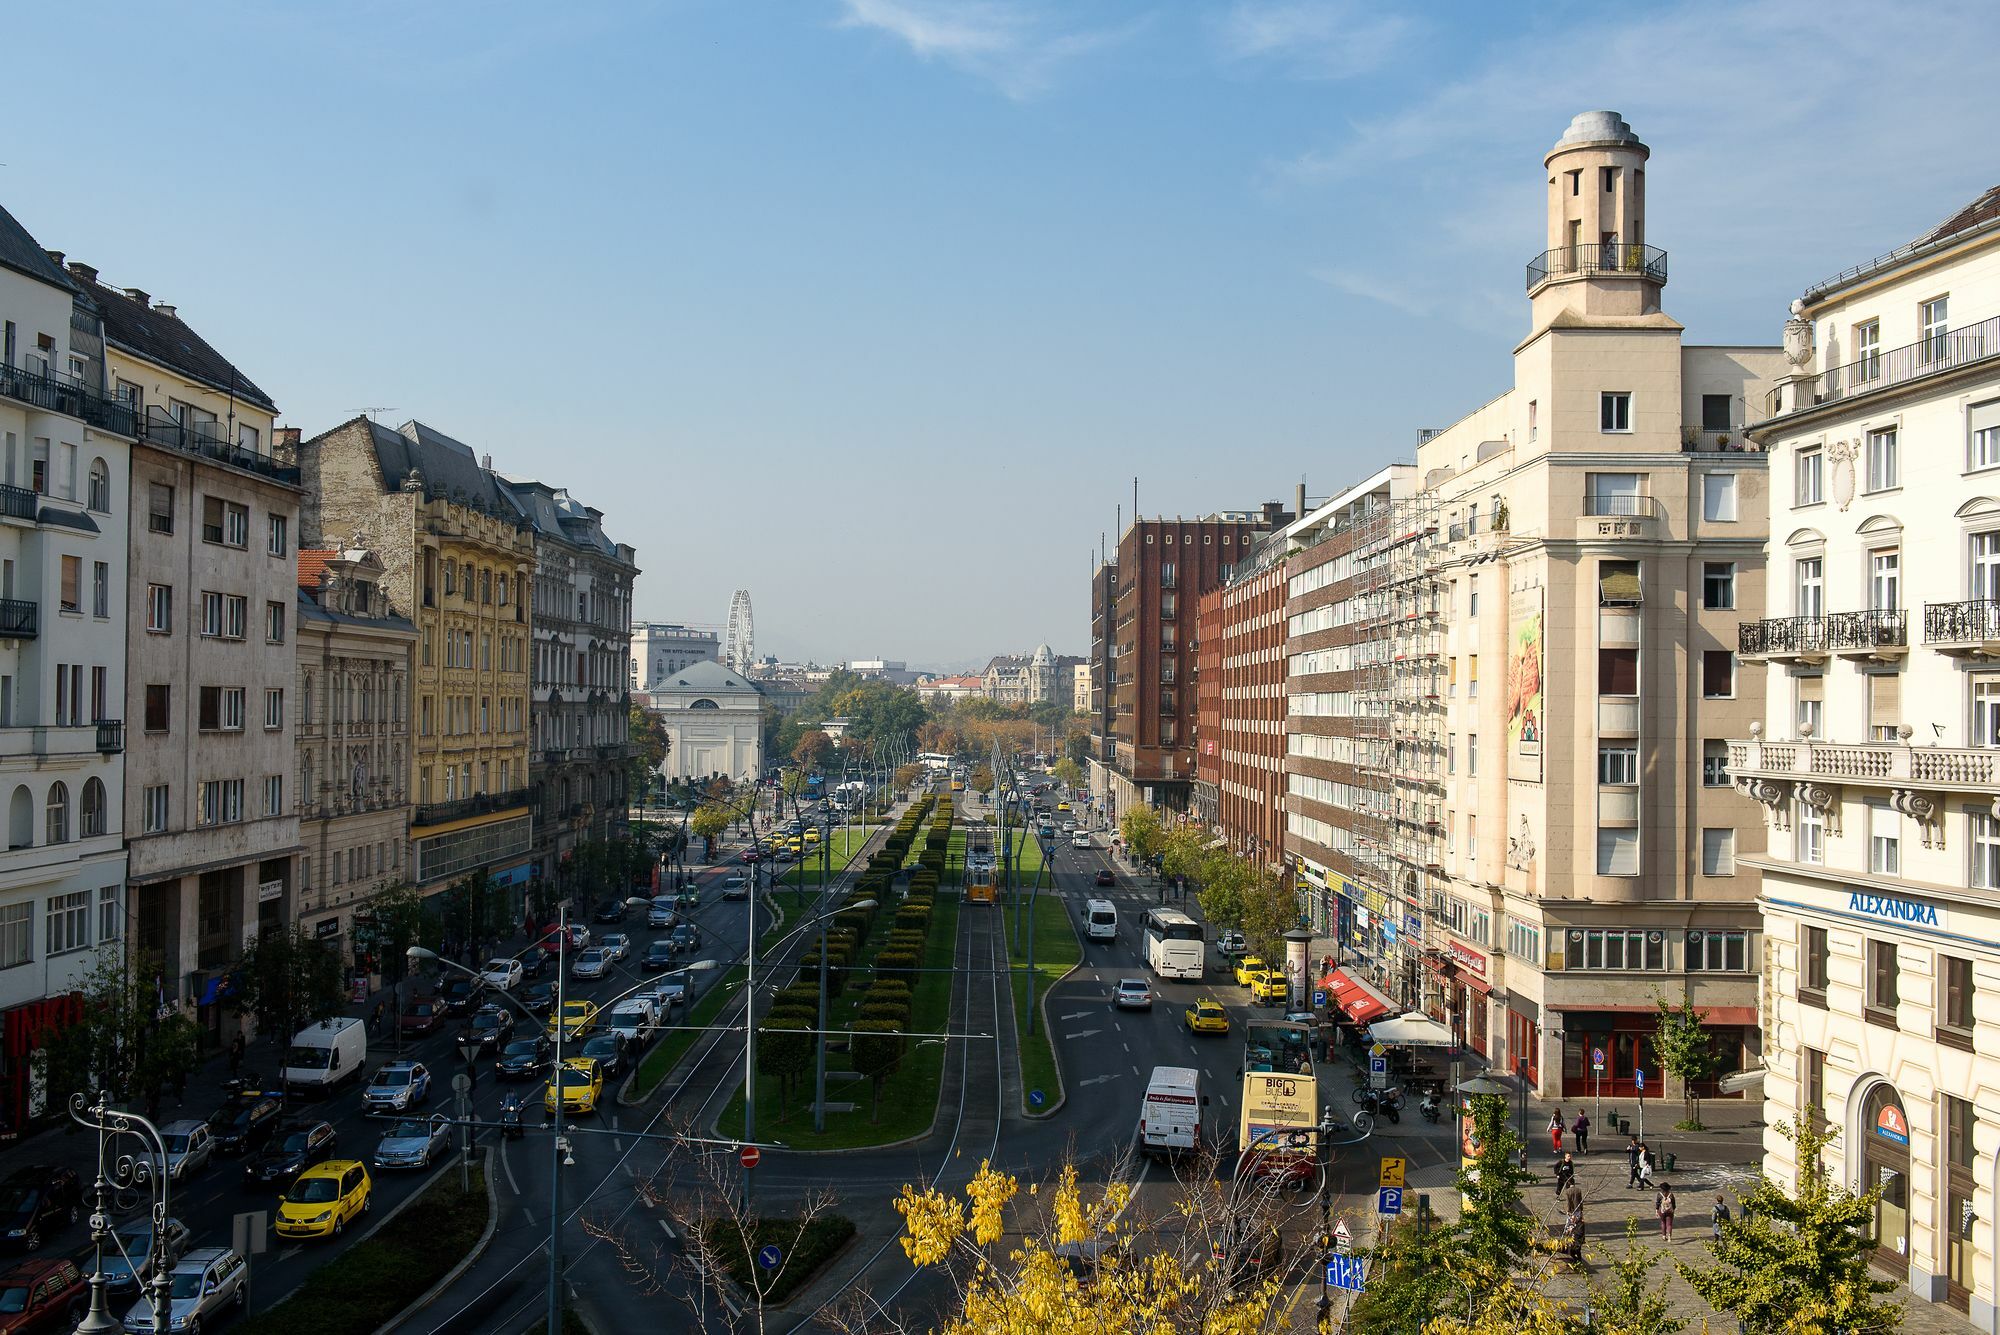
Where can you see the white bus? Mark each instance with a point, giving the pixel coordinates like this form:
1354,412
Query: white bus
1174,944
934,760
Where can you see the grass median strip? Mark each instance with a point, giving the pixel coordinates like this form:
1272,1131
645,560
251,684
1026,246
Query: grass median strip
1057,951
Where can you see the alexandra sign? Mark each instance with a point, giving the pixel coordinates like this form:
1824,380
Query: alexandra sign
1895,910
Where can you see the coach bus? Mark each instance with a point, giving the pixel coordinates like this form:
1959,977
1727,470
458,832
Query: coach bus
1174,944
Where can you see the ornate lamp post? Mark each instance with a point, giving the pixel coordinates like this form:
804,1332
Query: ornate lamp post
116,1170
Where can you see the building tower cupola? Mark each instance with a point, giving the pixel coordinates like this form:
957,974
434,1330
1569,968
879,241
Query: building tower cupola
1597,263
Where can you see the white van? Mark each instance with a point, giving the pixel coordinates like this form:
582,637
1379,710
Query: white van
326,1055
1079,838
1100,920
1170,1117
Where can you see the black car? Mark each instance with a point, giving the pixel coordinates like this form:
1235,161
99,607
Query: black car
534,962
457,995
659,955
609,1050
293,1148
36,1202
523,1058
539,999
491,1028
611,910
685,939
245,1122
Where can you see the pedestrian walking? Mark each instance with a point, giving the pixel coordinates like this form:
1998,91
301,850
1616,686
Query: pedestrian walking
1663,1206
1565,1173
1718,1215
1580,1129
1646,1166
1573,1235
1632,1162
1573,1198
1556,1131
236,1054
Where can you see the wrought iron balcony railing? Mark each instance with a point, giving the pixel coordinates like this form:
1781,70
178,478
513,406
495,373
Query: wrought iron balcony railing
19,619
1897,366
1877,628
19,502
203,439
1614,260
1974,621
57,393
1782,635
479,804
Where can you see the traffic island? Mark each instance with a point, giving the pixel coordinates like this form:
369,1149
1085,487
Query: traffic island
1058,951
779,1256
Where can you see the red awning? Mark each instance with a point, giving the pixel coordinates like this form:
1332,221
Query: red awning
1336,981
1362,1007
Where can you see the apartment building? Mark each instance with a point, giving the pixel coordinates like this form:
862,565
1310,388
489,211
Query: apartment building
660,649
1102,704
457,552
1876,760
1240,704
355,654
211,818
1597,528
65,489
1163,567
579,721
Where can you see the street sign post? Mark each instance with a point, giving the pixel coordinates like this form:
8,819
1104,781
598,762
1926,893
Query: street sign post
768,1256
1035,1096
1378,1070
1346,1272
1596,1083
1639,1078
1389,1200
1343,1240
749,1155
1319,997
1394,1169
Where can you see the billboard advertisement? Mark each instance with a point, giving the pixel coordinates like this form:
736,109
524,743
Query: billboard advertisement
1525,717
1278,1132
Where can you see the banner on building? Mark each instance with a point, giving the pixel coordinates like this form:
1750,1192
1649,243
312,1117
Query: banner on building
1525,721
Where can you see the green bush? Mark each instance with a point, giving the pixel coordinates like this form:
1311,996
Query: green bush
894,1012
892,963
781,1016
803,992
805,1251
888,989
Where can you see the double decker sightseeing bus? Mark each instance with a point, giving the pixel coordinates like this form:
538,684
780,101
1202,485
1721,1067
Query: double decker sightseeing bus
1278,1135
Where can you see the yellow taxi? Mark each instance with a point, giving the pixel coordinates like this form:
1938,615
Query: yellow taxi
573,1021
582,1081
1249,969
811,835
1207,1017
1270,990
1062,806
322,1200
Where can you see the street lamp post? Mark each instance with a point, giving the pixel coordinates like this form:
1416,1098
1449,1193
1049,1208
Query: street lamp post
117,1171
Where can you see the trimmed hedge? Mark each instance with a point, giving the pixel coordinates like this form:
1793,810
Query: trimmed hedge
806,1249
894,1012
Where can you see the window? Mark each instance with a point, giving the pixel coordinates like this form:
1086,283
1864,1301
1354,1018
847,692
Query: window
1882,982
211,615
68,922
277,541
156,808
1617,852
1472,755
221,801
235,616
1986,711
1985,566
1933,325
56,815
72,583
1714,763
1534,419
1885,580
110,914
1885,839
159,609
1718,674
1811,833
1955,995
98,497
1472,838
1813,962
1985,832
160,508
1718,498
274,707
1718,856
1472,597
1809,693
1885,705
17,923
1614,948
1884,471
1715,412
1982,421
1812,1079
1617,671
274,623
1868,350
1618,584
1809,586
1612,493
159,707
1614,411
274,794
221,709
100,588
1807,475
1617,765
90,811
1718,585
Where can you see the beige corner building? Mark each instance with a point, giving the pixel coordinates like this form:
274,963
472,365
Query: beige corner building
1877,756
1564,666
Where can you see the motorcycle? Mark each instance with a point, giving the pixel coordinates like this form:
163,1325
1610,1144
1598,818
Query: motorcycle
1431,1105
510,1118
1381,1102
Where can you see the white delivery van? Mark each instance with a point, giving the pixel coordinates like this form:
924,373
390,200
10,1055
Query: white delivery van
326,1055
1100,920
634,1018
1079,838
1170,1118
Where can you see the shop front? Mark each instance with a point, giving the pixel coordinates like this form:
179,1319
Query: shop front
1624,1037
1885,1167
1459,993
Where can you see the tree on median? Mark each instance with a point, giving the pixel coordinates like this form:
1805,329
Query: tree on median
876,1047
710,819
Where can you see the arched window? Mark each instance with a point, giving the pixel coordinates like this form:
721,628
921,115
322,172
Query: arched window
57,815
21,818
90,812
100,487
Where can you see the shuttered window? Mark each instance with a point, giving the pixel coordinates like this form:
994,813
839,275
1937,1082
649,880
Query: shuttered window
1617,583
1885,705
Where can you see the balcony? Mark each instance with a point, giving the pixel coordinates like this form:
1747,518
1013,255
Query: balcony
19,619
1617,260
479,804
1782,638
19,503
1877,633
110,737
1970,627
1900,366
202,440
57,393
1888,764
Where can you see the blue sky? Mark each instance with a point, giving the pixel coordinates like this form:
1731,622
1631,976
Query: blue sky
876,307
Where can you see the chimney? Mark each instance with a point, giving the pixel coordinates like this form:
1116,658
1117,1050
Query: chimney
1299,510
164,309
285,437
486,462
83,271
56,256
139,295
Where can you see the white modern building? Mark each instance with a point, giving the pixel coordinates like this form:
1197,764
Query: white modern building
714,723
1877,761
660,649
65,488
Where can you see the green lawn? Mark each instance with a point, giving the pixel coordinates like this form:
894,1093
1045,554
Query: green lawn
1057,951
909,1097
845,844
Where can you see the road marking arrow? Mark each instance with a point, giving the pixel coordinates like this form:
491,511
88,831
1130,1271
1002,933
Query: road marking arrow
1098,1080
1081,1033
1078,1015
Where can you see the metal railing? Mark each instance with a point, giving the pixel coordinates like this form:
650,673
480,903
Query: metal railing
1615,260
19,502
1877,628
1781,635
1913,361
110,736
1974,621
58,393
19,619
479,804
203,439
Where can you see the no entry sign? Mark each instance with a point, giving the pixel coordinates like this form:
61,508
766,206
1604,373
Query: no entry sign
749,1155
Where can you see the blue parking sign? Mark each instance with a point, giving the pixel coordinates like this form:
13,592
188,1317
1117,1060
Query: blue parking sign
1319,996
1389,1200
1378,1066
1346,1272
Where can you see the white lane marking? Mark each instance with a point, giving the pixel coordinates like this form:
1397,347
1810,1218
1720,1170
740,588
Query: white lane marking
668,1229
1135,1070
508,1164
1126,1046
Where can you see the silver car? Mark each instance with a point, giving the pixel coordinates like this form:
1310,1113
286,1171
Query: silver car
617,945
130,1260
189,1148
413,1143
592,963
203,1285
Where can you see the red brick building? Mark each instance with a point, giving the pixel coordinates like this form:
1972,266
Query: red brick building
1240,706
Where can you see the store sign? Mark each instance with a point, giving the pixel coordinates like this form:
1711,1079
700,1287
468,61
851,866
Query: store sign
1891,1125
269,890
326,927
1468,957
1893,909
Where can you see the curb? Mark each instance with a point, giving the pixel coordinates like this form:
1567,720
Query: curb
1055,1054
471,1258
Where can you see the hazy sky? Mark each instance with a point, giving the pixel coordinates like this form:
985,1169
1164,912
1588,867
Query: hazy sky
875,307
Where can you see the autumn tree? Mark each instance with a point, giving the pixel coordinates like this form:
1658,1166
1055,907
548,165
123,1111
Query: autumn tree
710,819
907,775
125,1042
1143,833
650,745
981,779
1068,773
814,749
1630,1302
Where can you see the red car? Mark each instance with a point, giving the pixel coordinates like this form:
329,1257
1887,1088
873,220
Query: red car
749,855
38,1296
1104,877
421,1016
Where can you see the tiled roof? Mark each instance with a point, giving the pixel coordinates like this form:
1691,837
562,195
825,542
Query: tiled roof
19,252
145,331
1981,210
312,564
